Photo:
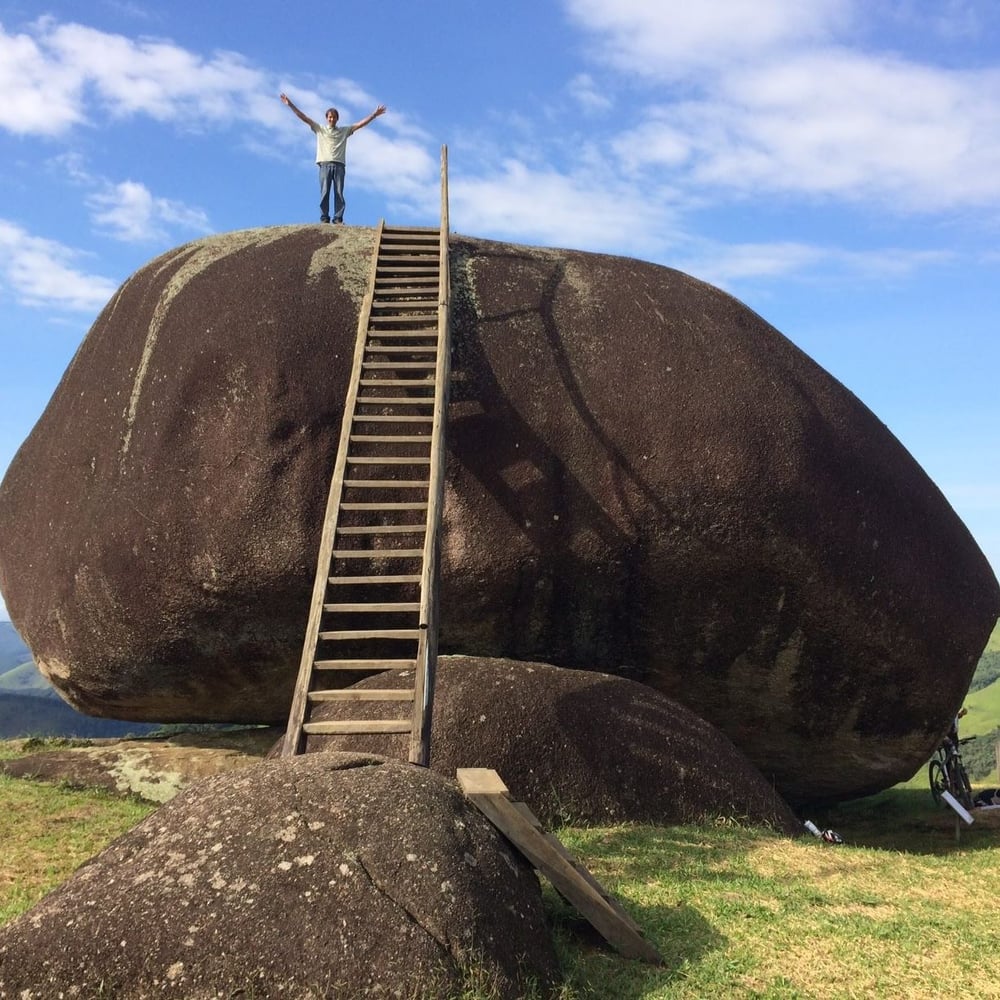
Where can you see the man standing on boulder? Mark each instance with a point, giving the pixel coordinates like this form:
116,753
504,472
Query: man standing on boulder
331,153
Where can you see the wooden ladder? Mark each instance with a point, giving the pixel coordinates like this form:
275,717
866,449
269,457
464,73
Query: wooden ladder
374,602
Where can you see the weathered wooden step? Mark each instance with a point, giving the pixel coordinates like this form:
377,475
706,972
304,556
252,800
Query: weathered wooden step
363,694
383,529
385,484
385,460
407,349
398,335
391,438
424,366
349,635
378,553
405,505
413,383
389,418
375,606
356,664
366,580
371,727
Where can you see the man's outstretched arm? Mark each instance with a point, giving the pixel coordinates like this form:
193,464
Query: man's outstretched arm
299,114
380,110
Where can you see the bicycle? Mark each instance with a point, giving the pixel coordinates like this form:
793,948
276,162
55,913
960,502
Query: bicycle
946,771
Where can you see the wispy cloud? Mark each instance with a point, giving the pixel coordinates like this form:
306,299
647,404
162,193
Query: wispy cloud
747,97
724,264
128,211
668,42
42,272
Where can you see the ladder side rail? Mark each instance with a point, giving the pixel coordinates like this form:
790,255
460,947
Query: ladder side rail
420,736
296,716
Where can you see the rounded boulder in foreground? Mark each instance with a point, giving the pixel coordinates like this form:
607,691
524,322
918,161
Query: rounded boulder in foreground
575,745
332,875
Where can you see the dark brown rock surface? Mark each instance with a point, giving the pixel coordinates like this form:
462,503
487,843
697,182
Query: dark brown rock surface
577,746
332,875
644,477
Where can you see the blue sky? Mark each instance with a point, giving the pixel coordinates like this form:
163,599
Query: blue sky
835,164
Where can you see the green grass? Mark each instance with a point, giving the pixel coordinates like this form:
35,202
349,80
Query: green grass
903,909
993,643
898,911
48,831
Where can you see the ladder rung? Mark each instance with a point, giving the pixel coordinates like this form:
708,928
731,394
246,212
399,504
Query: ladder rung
401,348
363,694
382,484
346,635
388,418
384,529
428,240
414,383
396,365
378,553
391,438
403,505
401,606
408,307
371,726
424,333
355,664
364,580
393,460
428,315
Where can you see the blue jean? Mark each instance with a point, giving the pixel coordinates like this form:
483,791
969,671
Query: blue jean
331,176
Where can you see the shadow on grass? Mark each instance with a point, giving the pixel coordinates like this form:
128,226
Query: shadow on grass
906,819
680,933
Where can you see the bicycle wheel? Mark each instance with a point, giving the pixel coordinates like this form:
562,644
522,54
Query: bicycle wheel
962,789
938,780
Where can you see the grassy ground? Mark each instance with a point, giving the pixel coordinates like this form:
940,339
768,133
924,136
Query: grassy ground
47,832
902,909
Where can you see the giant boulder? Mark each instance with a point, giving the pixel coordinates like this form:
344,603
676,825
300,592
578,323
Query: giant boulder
644,477
330,875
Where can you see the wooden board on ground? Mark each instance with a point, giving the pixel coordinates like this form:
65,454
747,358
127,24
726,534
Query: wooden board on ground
486,790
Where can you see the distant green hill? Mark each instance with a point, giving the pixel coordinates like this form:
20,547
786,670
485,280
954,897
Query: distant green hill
13,651
26,679
28,715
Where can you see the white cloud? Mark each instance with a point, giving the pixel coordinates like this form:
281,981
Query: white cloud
147,76
585,91
726,264
759,97
587,210
128,211
40,96
41,272
667,41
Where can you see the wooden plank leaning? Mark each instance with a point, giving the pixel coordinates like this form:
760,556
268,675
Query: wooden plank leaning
486,790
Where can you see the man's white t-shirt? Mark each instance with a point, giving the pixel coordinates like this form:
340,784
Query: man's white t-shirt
331,142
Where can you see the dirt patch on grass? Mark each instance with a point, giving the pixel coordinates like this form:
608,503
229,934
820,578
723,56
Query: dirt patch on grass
153,770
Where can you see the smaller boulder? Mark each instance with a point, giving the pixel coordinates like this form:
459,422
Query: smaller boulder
575,745
340,875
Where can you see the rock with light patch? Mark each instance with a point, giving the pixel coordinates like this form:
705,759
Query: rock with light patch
338,910
575,745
